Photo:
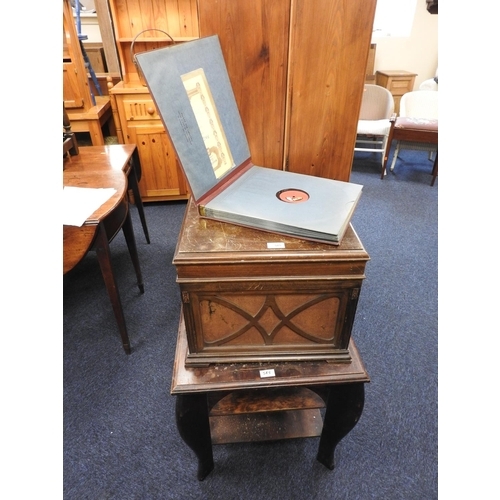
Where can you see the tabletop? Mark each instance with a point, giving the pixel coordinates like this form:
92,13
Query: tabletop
78,240
115,156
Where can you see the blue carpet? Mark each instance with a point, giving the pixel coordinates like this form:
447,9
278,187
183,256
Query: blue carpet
120,437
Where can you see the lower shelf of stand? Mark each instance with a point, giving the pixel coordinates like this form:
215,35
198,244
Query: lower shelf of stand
266,415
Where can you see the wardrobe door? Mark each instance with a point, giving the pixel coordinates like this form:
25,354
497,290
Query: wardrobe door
330,42
254,37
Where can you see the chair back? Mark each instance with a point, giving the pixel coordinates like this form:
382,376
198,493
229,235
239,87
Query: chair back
419,104
429,84
377,103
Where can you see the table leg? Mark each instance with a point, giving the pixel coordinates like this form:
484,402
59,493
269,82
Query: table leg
134,178
128,232
101,247
344,407
191,411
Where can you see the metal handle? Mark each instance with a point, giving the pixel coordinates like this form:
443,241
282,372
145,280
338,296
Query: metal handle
132,54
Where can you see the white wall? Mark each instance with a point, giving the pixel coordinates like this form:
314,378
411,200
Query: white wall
89,22
417,53
90,27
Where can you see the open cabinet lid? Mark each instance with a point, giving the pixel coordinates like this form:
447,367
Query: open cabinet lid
193,94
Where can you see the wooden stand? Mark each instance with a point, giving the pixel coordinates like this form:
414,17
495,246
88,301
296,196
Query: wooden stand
138,122
265,401
398,82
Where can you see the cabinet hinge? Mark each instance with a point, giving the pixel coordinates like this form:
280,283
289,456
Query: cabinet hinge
185,297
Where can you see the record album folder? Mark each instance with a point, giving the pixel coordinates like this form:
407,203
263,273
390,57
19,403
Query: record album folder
193,94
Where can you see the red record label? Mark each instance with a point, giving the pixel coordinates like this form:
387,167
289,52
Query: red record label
292,195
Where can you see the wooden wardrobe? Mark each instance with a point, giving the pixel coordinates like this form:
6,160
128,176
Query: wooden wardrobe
297,68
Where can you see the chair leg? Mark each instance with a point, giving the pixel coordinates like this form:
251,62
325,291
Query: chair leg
395,157
388,146
434,170
101,247
385,155
382,150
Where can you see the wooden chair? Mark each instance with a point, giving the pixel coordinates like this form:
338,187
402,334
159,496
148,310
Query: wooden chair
417,127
